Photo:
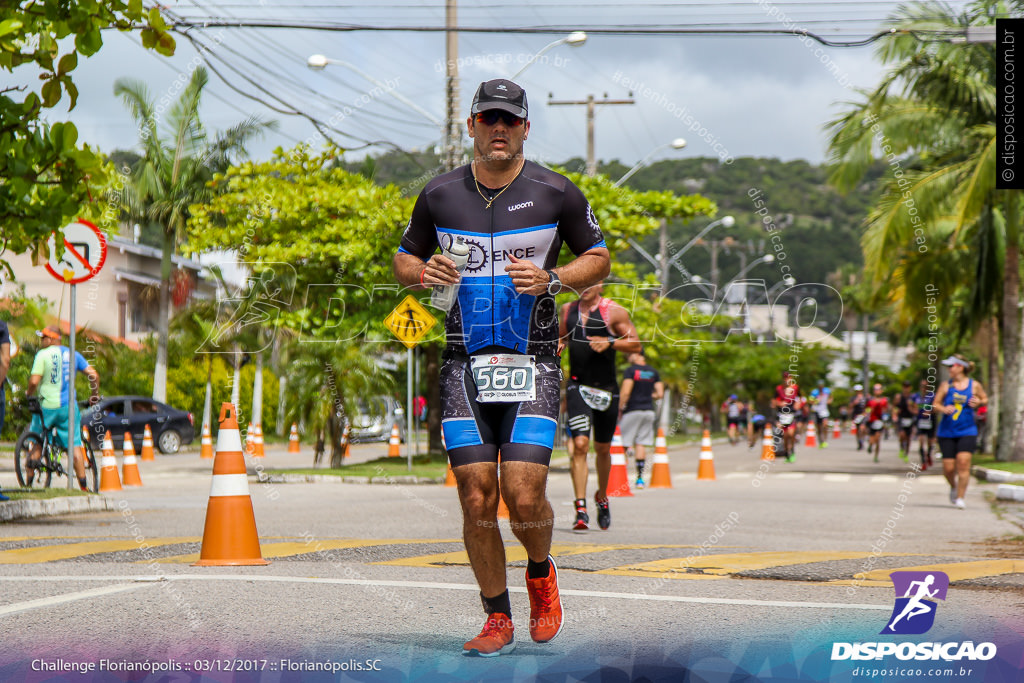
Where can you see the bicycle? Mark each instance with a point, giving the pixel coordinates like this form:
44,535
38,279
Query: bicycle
51,452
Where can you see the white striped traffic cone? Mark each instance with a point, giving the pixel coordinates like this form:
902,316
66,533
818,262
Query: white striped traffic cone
130,464
230,536
661,475
206,449
110,480
706,466
618,477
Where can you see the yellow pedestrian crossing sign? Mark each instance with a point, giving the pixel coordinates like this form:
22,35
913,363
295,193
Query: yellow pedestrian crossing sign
410,322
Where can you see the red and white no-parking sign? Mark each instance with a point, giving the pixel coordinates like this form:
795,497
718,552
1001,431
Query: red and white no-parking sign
85,252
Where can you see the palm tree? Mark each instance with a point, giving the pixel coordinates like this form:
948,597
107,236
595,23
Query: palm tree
178,161
939,214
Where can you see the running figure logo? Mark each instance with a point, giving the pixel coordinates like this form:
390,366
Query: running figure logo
916,592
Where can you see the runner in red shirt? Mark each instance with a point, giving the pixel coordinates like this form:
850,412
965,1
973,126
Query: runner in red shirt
877,406
785,397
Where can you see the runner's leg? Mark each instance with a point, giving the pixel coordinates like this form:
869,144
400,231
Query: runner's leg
478,494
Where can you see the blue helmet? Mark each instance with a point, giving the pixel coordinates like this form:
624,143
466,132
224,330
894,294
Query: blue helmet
814,393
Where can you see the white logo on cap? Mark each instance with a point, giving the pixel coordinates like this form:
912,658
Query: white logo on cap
502,87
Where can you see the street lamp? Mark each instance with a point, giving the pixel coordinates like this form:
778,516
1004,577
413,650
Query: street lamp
678,143
320,62
767,258
574,39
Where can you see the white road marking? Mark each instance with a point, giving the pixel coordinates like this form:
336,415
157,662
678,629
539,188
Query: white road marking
838,478
139,581
67,597
790,475
884,479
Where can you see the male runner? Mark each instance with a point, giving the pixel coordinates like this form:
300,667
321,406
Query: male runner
593,328
641,387
925,423
906,413
821,399
500,376
858,405
733,409
877,406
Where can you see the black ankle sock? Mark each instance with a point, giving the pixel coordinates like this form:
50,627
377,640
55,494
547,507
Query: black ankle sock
640,467
498,604
83,483
537,570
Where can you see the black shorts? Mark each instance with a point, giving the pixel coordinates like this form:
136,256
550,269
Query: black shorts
906,429
475,432
583,418
951,445
930,432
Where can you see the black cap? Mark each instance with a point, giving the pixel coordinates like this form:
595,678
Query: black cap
501,94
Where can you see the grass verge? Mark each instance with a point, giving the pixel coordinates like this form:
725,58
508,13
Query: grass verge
991,463
42,494
422,466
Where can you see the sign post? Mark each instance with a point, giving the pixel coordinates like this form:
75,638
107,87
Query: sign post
85,252
409,322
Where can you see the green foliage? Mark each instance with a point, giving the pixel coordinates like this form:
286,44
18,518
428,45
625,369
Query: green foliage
46,178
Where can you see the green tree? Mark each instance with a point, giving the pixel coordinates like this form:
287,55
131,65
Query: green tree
940,215
46,176
179,158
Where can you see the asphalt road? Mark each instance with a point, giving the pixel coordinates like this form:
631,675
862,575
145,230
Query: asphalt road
757,573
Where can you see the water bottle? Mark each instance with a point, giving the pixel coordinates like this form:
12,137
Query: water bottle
443,296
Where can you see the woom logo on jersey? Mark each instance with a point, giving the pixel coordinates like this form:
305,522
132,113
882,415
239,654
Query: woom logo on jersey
913,614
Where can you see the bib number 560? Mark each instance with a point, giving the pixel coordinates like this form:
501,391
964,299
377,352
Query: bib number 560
502,378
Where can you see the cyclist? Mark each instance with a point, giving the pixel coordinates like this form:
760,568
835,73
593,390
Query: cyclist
51,377
5,365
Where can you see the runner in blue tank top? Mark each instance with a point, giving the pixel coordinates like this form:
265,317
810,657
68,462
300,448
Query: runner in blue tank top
956,401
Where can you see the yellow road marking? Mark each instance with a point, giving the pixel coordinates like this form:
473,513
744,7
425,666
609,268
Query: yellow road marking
957,571
730,563
272,550
516,553
52,553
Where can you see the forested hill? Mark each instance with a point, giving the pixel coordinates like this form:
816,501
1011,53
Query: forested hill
820,228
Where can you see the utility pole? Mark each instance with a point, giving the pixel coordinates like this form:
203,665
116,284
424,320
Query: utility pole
452,130
591,105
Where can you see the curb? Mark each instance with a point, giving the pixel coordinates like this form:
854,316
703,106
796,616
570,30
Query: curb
326,478
1010,492
25,509
996,476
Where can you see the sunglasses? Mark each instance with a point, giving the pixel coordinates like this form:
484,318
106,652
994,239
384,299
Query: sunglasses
491,116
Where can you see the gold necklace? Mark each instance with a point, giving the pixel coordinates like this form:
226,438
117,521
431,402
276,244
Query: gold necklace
491,200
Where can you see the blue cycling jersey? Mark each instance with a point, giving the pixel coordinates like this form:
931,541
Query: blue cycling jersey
961,422
529,220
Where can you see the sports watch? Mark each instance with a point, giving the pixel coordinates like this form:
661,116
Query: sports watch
554,284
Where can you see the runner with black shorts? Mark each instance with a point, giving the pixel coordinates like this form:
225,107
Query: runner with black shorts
641,387
858,405
925,423
878,406
957,401
906,414
500,377
785,405
593,328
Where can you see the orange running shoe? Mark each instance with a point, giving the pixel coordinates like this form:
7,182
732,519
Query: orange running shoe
498,637
545,605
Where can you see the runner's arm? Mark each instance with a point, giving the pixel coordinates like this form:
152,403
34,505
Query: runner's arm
5,361
587,269
979,398
659,390
625,391
94,384
627,340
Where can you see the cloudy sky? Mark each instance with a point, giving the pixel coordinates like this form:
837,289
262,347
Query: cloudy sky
727,95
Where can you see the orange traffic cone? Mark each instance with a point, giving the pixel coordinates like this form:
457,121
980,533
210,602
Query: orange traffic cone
449,479
130,465
836,431
250,440
206,449
147,444
768,445
853,429
258,442
346,443
618,477
706,466
293,439
394,443
661,476
230,536
110,480
812,435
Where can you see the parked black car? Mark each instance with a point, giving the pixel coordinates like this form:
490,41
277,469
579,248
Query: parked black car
170,427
